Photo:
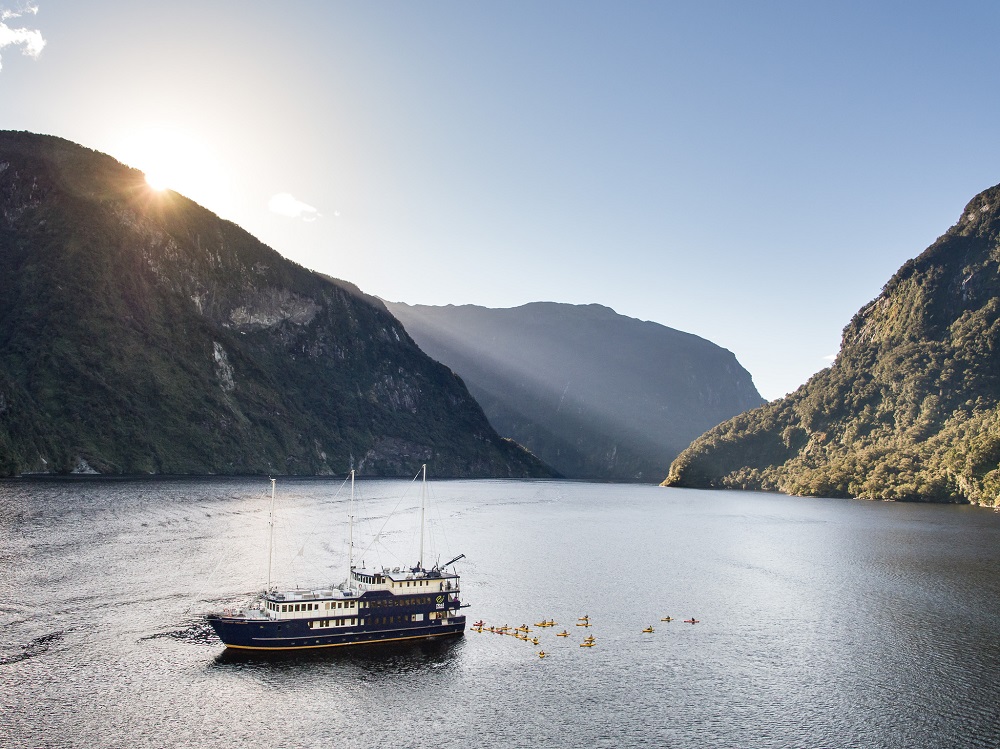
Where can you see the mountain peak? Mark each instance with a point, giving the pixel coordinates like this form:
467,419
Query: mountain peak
595,394
910,407
140,333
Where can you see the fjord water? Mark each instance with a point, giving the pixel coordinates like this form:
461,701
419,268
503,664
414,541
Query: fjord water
823,623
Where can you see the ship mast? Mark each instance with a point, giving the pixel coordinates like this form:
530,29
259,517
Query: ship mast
350,531
423,505
270,541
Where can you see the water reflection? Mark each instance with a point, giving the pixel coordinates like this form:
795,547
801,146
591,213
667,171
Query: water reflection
377,659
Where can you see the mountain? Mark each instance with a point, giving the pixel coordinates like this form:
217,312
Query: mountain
140,333
910,409
594,394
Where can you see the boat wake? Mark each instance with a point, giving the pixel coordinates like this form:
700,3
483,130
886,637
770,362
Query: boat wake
197,632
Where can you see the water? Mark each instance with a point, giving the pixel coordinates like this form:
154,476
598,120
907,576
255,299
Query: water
823,623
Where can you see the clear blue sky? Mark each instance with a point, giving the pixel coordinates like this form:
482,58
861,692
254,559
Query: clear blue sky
749,172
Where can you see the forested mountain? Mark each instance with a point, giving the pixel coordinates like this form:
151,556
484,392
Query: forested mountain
910,409
140,333
595,394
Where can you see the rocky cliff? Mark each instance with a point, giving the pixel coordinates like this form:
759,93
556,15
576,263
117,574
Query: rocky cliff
595,394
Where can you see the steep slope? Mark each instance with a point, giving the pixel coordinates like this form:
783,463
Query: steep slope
909,409
593,393
140,333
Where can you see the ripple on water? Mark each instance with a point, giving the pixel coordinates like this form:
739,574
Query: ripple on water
828,623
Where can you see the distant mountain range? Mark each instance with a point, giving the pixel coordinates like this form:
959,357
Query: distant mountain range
140,333
910,409
594,394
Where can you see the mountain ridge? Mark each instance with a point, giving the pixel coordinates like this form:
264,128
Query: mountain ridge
595,394
141,333
908,410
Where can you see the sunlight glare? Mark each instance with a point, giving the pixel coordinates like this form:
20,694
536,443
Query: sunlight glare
156,181
175,159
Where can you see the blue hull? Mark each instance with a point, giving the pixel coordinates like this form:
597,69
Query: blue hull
250,634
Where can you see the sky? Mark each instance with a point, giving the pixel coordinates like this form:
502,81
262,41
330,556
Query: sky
752,173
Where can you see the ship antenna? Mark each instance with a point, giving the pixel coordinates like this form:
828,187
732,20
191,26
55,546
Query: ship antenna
270,541
423,504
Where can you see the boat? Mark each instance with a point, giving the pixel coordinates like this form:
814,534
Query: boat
373,605
648,630
564,633
587,644
667,619
692,620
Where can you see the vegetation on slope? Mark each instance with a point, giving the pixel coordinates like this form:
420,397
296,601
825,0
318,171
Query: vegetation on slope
140,333
910,409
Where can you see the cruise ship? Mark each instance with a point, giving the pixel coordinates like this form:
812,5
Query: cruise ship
373,605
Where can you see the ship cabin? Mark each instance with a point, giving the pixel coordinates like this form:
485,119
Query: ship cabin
380,596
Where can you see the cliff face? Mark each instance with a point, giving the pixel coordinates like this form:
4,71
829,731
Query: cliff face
595,394
909,409
140,333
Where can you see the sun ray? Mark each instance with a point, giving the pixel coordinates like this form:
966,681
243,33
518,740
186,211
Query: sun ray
176,159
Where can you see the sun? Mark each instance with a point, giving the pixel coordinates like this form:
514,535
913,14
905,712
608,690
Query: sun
176,159
157,181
